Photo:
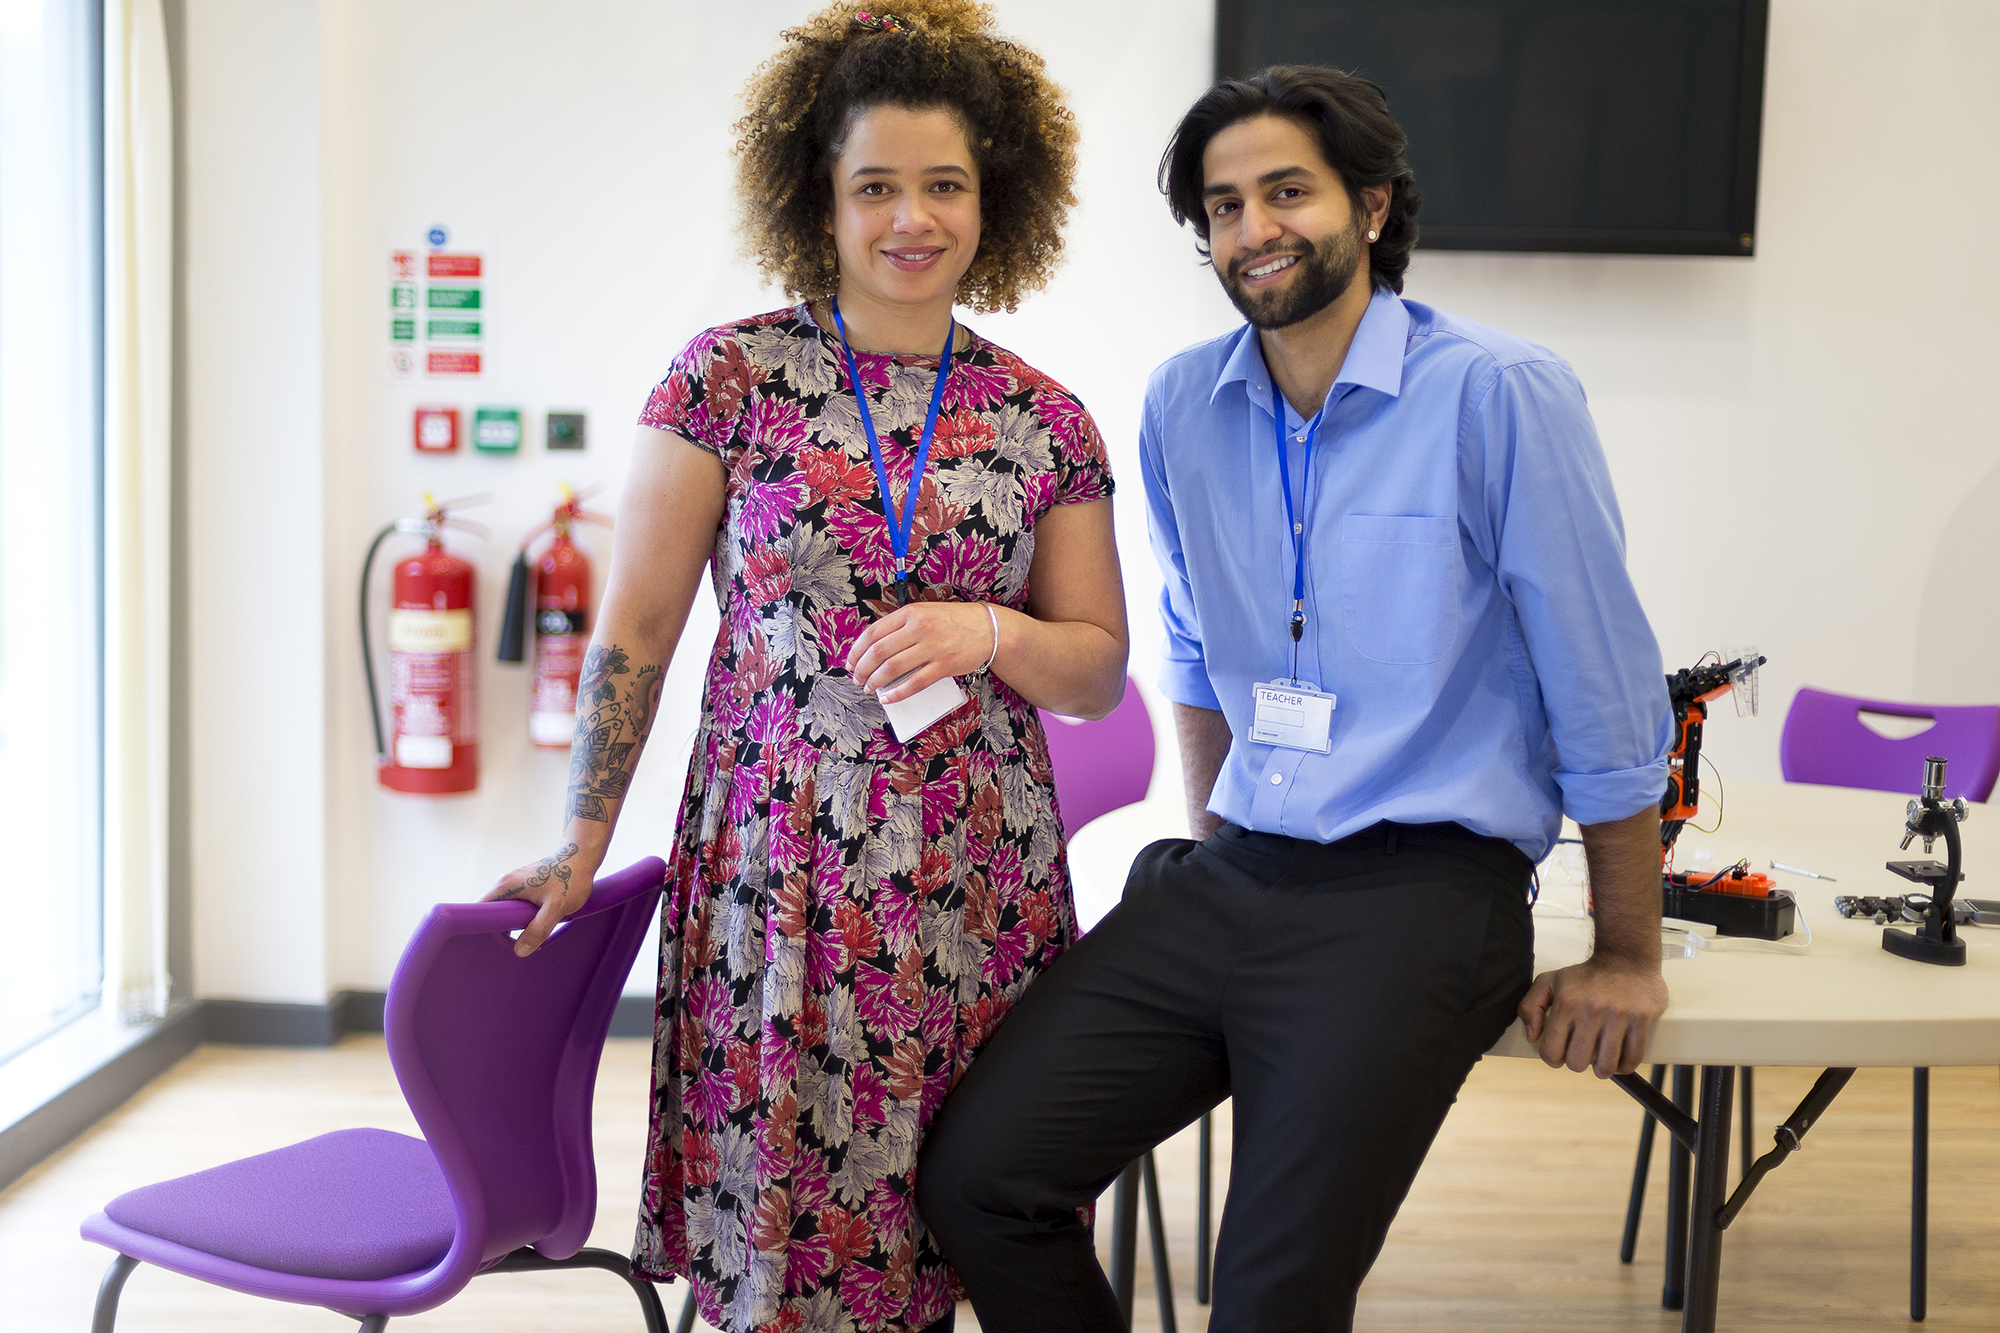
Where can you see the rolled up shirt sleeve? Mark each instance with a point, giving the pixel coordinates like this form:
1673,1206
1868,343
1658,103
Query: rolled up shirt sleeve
1183,674
1559,551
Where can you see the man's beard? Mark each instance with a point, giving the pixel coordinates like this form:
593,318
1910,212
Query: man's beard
1324,273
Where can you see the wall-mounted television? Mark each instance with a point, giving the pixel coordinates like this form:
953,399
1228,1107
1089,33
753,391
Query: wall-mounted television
1620,126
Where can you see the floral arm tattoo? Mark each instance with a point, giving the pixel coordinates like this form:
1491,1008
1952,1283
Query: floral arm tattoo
611,728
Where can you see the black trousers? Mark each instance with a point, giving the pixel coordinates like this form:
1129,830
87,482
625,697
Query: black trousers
1340,993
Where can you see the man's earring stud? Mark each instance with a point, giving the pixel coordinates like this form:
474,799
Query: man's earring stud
1372,233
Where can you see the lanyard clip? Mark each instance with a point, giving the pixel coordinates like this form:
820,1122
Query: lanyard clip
1298,620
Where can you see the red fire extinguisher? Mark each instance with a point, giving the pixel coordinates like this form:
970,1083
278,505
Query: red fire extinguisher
560,600
432,747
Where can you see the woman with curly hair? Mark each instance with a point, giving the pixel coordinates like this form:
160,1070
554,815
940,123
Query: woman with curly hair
910,535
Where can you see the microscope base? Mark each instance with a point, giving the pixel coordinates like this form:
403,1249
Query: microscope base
1904,944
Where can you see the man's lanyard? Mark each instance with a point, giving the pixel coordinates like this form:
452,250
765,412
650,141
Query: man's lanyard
1292,515
901,524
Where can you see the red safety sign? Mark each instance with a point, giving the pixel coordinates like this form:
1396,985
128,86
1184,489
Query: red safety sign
451,363
453,266
436,430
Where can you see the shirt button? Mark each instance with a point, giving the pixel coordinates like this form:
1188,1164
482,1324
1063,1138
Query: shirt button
1277,778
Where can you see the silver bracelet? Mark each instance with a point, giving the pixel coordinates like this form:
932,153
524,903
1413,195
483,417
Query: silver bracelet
994,617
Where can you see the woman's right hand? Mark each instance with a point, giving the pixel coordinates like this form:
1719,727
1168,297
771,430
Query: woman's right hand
558,885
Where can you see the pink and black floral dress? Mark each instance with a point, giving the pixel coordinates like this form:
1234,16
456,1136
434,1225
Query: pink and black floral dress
852,917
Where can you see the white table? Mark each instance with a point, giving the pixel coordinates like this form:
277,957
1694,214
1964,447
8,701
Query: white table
1844,1004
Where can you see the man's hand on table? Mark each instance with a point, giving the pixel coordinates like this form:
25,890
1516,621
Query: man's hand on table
1599,1014
1596,1015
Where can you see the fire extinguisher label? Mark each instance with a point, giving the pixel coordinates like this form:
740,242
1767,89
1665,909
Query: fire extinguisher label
430,631
465,719
423,751
423,686
550,620
435,706
558,665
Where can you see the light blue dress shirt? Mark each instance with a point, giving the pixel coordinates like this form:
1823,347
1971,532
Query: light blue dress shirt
1466,591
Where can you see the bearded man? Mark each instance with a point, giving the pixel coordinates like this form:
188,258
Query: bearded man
1401,645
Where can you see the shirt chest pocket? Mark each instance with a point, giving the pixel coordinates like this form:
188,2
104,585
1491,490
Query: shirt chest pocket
1399,586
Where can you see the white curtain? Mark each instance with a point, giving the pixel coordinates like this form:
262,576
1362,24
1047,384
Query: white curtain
138,347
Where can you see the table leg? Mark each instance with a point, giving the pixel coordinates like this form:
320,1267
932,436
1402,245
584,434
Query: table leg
1749,1122
1711,1187
1920,1190
1674,1289
1125,1239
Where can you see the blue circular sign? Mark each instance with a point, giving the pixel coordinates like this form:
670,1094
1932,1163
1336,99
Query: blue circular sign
437,236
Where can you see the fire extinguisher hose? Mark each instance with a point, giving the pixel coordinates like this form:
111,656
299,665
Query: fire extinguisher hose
367,653
514,625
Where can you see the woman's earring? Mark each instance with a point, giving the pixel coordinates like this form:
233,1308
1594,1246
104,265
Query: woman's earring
1371,233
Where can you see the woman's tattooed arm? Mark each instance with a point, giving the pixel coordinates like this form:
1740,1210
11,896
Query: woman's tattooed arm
613,717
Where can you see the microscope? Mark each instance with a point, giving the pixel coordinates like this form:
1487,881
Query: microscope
1930,817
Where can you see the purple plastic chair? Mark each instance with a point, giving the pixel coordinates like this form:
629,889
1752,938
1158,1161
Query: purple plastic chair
1101,766
1826,742
497,1057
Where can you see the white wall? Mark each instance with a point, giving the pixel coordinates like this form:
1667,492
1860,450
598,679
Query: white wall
1780,408
257,613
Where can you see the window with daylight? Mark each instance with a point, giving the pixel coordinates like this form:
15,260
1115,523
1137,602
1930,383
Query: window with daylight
51,358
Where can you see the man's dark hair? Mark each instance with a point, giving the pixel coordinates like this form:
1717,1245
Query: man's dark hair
1348,114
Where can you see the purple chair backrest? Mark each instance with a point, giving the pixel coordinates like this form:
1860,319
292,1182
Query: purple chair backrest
1101,766
1825,741
497,1055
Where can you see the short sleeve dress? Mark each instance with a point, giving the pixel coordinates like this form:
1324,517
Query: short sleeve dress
852,916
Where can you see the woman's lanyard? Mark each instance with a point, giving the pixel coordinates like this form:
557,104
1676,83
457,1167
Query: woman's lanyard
1292,518
901,524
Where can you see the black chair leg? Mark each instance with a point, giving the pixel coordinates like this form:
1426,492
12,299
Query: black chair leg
1163,1280
1124,1240
108,1291
1636,1203
1204,1235
1920,1191
650,1308
374,1323
1748,1120
685,1324
1673,1292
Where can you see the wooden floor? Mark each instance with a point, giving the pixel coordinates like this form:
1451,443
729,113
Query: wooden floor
1513,1223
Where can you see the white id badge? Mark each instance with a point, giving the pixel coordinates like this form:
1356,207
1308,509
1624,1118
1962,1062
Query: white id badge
1292,714
909,717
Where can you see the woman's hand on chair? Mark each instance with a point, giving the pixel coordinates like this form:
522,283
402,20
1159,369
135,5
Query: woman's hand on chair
557,885
920,644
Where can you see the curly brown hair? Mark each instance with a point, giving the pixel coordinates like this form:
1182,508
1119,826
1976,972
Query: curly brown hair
918,54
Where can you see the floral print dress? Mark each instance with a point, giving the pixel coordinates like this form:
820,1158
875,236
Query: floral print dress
851,916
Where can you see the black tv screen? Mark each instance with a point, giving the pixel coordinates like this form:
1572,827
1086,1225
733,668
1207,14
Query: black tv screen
1625,126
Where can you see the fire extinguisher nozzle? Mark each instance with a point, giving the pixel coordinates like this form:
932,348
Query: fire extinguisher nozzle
514,625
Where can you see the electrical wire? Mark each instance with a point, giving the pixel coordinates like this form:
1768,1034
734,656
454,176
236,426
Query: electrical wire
1720,798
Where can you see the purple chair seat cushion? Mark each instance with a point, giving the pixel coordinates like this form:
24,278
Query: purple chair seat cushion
359,1204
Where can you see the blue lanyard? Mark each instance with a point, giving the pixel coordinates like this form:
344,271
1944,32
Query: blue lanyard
899,524
1292,515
